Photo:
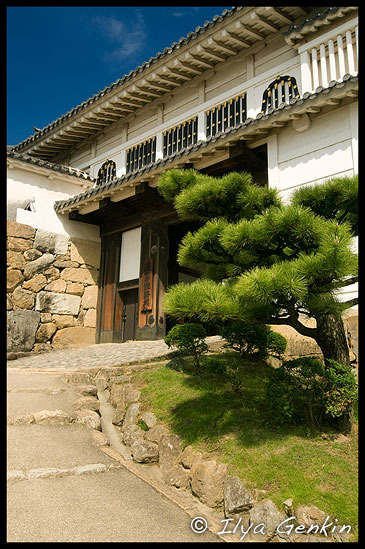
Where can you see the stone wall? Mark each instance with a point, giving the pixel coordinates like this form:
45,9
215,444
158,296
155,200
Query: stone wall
51,290
110,402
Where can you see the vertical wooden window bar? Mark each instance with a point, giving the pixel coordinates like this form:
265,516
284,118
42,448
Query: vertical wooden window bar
226,115
141,155
180,136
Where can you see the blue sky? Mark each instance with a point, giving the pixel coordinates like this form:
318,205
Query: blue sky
57,57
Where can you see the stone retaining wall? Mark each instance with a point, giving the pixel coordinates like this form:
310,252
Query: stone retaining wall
150,444
52,288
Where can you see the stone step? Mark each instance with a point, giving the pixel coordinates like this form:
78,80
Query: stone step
56,472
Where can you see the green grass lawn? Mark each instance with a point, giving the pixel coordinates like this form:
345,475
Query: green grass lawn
280,462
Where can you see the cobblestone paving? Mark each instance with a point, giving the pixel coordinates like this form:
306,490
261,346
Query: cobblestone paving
103,354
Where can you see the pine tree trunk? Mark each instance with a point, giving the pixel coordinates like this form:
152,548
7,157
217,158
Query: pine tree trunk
331,338
333,343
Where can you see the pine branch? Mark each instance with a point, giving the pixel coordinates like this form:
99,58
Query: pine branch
347,282
297,325
351,302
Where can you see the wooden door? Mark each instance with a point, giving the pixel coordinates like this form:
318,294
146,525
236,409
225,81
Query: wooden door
129,299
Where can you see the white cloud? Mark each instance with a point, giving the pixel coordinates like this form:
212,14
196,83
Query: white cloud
129,39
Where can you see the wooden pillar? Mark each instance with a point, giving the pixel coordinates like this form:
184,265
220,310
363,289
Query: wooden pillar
109,305
153,281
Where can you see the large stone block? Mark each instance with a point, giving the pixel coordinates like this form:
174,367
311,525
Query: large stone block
14,278
18,244
35,284
89,418
58,286
90,318
75,288
64,321
207,480
170,448
298,345
90,297
85,251
131,434
51,242
86,276
45,332
15,260
266,512
236,497
50,302
77,336
131,415
38,265
21,330
144,451
19,230
24,299
32,254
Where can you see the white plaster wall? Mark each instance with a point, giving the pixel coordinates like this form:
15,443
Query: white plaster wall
327,149
23,185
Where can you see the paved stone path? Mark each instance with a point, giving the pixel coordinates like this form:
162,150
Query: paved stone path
102,354
62,487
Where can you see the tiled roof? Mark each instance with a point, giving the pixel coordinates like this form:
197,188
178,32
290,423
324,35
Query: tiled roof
127,77
319,16
318,13
67,170
118,182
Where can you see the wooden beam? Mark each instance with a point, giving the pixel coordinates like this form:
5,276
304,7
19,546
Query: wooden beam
218,57
267,24
175,72
247,29
171,81
147,92
155,86
235,38
204,62
126,98
86,122
102,114
109,105
194,70
224,47
283,16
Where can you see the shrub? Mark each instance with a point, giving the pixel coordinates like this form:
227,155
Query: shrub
189,339
340,390
228,366
276,343
248,338
305,390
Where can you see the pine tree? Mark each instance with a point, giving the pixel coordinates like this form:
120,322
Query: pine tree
263,261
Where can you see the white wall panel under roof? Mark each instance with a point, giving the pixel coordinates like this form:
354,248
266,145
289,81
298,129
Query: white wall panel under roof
130,255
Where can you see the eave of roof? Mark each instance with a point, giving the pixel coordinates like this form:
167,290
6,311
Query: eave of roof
97,193
66,170
318,18
111,104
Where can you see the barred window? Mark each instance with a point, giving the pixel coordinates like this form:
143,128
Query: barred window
226,115
281,90
106,173
180,136
141,155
